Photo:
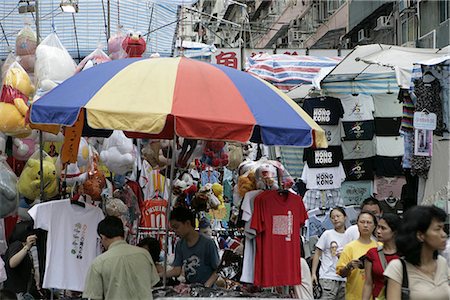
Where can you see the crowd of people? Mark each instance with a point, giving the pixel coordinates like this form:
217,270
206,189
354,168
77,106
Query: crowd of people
389,258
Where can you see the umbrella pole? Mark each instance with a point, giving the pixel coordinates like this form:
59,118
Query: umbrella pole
169,203
41,164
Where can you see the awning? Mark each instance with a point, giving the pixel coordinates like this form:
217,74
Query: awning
377,69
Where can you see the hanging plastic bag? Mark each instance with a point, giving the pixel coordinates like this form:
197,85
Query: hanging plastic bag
26,42
94,58
118,153
53,64
29,183
9,197
115,49
16,92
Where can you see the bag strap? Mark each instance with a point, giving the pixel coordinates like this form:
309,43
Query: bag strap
405,283
382,257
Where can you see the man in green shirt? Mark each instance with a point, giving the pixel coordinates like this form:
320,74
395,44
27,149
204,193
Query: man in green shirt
123,271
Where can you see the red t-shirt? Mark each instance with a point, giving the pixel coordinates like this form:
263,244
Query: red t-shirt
377,269
153,214
277,220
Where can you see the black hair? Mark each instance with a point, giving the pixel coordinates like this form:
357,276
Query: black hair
21,231
182,214
416,219
338,208
154,248
111,227
375,220
370,201
393,221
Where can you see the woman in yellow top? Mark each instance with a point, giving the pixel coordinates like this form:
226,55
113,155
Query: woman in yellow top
350,264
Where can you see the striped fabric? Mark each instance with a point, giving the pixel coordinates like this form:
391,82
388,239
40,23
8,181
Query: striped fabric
368,84
91,26
288,71
292,160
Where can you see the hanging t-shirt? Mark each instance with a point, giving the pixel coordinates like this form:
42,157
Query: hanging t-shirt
322,198
392,205
358,130
385,187
323,158
323,178
387,106
387,126
72,241
390,146
357,108
359,169
324,110
354,192
153,183
278,218
408,110
333,134
318,221
388,166
153,214
331,243
358,149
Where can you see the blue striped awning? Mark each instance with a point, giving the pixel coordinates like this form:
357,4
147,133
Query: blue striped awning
368,84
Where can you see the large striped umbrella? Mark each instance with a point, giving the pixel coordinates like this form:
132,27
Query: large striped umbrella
189,98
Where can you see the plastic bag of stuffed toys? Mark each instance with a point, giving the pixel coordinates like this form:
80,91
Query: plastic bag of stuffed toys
53,64
115,49
30,180
26,42
9,197
16,92
94,58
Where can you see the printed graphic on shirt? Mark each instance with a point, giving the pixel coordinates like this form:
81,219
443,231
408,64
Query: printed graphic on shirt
353,193
358,149
321,115
190,266
359,169
283,225
79,235
154,214
358,130
324,110
357,108
322,158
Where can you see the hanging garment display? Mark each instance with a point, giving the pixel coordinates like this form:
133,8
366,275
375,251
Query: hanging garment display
358,149
359,169
323,157
323,178
72,242
387,106
388,166
324,110
387,126
357,108
358,130
355,192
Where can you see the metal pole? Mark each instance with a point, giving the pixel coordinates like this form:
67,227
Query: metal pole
169,203
108,30
36,5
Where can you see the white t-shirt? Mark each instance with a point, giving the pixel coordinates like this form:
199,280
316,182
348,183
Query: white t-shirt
248,264
72,241
391,146
331,243
387,106
357,108
323,178
152,181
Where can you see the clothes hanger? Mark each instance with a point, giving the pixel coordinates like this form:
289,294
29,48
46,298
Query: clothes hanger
75,198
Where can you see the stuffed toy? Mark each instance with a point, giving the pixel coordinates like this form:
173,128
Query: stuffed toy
246,183
53,64
286,179
214,154
250,151
205,199
118,153
93,59
95,184
26,41
9,198
152,153
23,148
16,92
115,49
115,207
134,45
218,192
184,188
266,177
30,180
235,155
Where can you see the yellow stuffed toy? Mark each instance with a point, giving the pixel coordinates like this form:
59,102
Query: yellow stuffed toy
30,180
218,191
16,91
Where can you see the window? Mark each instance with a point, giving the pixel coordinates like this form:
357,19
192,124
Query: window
444,10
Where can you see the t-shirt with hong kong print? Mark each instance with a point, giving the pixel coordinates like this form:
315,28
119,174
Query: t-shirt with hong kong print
277,219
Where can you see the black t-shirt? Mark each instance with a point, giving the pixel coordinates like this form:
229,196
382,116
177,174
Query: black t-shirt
19,276
358,169
323,158
387,126
358,130
392,205
388,166
324,110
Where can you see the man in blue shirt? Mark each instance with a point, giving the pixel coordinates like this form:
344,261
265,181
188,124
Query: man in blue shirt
196,254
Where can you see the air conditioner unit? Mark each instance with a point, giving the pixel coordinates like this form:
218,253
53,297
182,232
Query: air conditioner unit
363,35
384,22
